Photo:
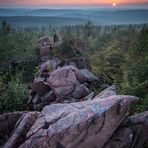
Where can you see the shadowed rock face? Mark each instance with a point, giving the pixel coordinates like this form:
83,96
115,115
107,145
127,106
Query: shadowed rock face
132,133
7,123
123,138
21,128
83,124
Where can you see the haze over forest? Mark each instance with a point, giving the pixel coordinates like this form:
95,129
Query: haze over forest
59,16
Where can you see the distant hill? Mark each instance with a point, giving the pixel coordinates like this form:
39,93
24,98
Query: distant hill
24,17
24,21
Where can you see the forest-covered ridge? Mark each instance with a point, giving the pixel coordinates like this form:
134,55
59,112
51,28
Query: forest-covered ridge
117,53
60,17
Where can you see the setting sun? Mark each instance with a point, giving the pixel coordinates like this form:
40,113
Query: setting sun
114,4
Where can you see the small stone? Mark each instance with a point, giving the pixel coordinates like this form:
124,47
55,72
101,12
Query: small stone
48,97
89,97
80,92
36,99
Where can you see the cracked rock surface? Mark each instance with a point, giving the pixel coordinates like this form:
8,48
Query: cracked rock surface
132,133
21,129
78,124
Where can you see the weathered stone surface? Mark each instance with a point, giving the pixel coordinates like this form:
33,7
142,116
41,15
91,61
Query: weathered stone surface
62,81
7,123
132,133
83,124
88,75
77,72
45,48
55,63
70,100
110,91
45,52
44,41
46,66
36,99
40,86
141,118
80,92
123,138
89,97
48,97
139,125
22,127
41,105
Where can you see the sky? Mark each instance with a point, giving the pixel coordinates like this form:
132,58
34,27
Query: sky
67,2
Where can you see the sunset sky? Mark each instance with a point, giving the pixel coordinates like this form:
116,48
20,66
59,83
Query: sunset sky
66,2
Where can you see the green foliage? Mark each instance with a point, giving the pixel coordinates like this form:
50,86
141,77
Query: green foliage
13,94
19,47
124,62
136,69
119,54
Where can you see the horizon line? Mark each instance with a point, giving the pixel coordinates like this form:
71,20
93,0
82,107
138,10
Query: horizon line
81,5
74,6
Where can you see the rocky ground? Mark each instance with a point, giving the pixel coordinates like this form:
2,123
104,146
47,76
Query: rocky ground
69,113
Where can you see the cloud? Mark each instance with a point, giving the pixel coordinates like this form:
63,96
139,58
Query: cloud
10,1
57,2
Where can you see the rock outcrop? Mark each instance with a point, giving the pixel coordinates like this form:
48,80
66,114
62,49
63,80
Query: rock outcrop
83,124
72,114
59,82
7,124
45,48
22,127
132,133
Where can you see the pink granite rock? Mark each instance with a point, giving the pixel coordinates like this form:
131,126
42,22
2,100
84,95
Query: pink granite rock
21,128
62,81
83,124
80,92
122,138
40,86
132,133
44,41
8,121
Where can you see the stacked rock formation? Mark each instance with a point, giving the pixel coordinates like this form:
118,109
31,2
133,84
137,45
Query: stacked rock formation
55,83
73,116
45,46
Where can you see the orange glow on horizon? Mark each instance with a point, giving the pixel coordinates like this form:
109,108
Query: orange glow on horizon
69,2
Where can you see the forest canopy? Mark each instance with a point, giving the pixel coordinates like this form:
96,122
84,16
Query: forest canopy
117,53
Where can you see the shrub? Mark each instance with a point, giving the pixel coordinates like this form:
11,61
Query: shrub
13,95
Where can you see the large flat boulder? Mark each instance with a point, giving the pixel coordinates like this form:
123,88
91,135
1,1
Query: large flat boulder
64,80
83,124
